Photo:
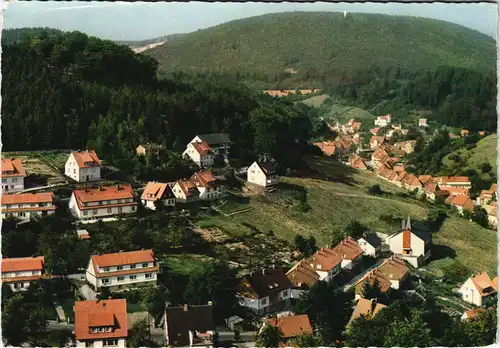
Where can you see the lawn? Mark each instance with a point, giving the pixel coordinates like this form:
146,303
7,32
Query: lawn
316,101
58,159
344,113
184,264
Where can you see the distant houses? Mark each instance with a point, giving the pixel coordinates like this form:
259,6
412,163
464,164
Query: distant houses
25,206
83,166
383,121
157,192
262,173
204,148
102,202
123,270
147,149
478,288
13,175
423,123
20,272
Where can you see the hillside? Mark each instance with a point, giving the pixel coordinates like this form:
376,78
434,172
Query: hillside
324,44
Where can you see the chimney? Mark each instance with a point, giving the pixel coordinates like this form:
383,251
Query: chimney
185,308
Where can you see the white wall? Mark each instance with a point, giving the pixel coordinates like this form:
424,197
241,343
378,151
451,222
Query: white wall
26,215
210,193
100,212
13,184
127,279
113,279
256,176
417,245
470,294
367,248
99,343
201,161
76,173
151,204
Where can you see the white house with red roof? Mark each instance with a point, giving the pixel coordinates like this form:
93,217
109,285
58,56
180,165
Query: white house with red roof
412,244
13,175
157,192
101,323
383,121
262,174
423,123
20,272
207,185
185,191
122,270
92,204
83,166
200,153
220,143
24,206
478,288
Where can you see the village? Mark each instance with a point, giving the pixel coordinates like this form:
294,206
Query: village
388,263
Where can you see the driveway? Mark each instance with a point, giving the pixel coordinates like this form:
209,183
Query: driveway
87,292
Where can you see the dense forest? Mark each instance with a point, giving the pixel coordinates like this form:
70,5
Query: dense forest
74,91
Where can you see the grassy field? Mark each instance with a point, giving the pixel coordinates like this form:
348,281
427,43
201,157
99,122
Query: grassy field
334,202
316,101
485,151
344,113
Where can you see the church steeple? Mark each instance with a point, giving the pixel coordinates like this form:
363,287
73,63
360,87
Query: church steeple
408,223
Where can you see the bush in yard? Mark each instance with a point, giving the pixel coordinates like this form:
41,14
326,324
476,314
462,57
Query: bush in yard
375,190
480,216
485,167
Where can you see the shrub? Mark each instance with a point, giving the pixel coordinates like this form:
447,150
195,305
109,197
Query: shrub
375,190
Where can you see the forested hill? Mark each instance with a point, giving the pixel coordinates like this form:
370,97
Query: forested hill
323,44
74,91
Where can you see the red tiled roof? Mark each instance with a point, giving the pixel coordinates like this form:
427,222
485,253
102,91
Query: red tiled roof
302,273
19,264
27,198
348,249
366,308
379,139
101,313
293,325
202,148
483,284
12,167
155,191
123,258
461,201
86,159
188,187
203,178
493,188
326,258
327,147
104,193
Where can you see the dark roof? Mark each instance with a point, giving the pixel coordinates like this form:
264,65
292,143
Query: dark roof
267,281
179,322
215,138
267,167
372,239
418,229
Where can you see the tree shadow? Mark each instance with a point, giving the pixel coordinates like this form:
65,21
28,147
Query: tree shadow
439,252
328,169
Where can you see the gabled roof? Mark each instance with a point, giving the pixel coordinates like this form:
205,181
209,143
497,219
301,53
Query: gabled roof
104,193
367,308
188,187
372,239
394,268
181,320
156,190
379,139
12,167
202,148
348,249
327,147
370,277
264,282
293,325
417,229
86,159
215,138
27,198
101,313
267,167
483,284
19,264
460,201
203,178
302,274
122,258
357,162
326,259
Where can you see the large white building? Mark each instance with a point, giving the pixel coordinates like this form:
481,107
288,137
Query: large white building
101,323
478,288
121,270
13,175
20,272
200,153
24,206
83,166
207,185
411,244
220,143
102,202
157,192
262,174
383,121
185,191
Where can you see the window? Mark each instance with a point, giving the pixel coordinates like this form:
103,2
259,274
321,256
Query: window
94,211
106,269
14,179
110,342
101,329
4,181
148,275
18,285
119,210
108,329
89,344
85,212
263,301
94,330
133,208
119,268
285,293
109,210
132,277
132,266
121,279
144,265
105,281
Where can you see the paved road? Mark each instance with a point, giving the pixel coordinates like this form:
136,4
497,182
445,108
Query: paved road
87,292
359,276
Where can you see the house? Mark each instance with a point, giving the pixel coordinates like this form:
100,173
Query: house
383,121
376,141
406,146
453,136
262,174
464,132
148,148
189,326
290,325
411,183
367,308
83,234
355,127
185,191
380,158
371,244
350,252
453,181
471,313
328,147
456,191
375,130
424,179
265,290
20,272
207,185
432,191
482,133
461,203
157,192
25,206
478,288
220,143
83,166
102,202
122,270
357,162
487,196
200,153
400,180
423,123
390,275
492,211
13,175
101,323
302,276
411,243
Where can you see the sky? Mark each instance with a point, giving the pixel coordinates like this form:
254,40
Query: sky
140,21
